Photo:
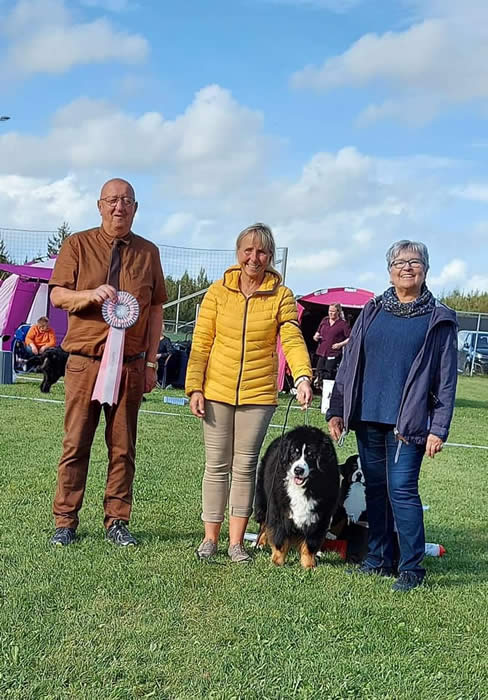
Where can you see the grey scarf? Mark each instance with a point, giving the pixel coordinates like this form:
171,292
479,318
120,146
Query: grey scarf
424,304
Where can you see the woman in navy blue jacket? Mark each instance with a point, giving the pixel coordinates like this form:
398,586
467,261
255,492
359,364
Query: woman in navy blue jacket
396,388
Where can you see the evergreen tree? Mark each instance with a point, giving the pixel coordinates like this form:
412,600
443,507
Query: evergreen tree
475,301
56,240
4,258
188,286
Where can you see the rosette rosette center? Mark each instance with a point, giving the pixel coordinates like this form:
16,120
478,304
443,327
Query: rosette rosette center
121,313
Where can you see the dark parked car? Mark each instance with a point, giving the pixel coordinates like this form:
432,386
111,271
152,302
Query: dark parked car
472,348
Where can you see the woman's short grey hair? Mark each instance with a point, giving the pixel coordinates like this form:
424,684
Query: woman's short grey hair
420,249
264,236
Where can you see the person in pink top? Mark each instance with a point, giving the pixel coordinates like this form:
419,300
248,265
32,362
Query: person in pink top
332,335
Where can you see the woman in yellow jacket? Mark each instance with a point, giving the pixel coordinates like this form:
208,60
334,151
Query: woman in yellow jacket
232,380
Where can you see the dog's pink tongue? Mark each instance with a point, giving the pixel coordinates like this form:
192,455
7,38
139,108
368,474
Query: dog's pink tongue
298,481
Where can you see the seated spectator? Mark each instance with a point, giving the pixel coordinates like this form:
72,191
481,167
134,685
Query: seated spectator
165,351
40,337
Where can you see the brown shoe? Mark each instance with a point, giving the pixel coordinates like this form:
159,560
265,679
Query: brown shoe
238,554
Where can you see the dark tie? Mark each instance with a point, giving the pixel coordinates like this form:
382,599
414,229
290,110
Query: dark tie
114,267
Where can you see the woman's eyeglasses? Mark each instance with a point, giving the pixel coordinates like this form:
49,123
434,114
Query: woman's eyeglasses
400,264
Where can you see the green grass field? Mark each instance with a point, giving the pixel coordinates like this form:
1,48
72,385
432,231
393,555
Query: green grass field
92,621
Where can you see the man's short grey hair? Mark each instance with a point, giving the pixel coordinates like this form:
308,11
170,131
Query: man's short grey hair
420,249
264,236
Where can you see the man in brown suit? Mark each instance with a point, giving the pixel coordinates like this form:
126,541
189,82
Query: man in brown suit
92,265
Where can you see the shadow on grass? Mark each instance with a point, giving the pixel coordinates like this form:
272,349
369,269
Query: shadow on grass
469,403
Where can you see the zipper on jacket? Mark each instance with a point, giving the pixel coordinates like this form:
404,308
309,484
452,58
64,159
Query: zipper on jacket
410,379
244,324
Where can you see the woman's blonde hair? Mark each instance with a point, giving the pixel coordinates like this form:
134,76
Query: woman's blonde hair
264,236
339,310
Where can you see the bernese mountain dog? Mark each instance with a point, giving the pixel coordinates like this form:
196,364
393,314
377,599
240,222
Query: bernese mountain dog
297,492
350,522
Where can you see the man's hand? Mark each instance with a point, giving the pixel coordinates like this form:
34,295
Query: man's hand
304,394
433,446
101,294
316,337
336,427
336,346
150,379
197,404
35,351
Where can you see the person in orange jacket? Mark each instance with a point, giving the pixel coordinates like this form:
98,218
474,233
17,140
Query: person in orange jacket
40,337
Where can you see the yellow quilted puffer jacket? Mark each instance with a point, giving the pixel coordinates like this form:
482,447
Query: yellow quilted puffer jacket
233,355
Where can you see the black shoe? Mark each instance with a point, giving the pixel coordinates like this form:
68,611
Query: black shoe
119,534
63,536
407,581
369,570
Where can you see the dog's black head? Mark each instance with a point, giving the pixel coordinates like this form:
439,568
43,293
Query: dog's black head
306,452
52,366
351,470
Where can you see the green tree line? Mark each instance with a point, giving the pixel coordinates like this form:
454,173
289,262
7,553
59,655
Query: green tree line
467,301
188,286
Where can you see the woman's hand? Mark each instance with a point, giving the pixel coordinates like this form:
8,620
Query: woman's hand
197,404
336,427
433,446
304,394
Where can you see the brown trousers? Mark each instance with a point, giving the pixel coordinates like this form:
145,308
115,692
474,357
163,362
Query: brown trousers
80,423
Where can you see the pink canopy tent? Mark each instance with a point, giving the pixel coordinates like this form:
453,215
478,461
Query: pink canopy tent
24,297
314,306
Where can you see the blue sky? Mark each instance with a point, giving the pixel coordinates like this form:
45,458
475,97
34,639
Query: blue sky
343,124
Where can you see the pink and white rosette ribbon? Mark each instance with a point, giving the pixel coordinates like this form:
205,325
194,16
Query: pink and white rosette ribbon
119,315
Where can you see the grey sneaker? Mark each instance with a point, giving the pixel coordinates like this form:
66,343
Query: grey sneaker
238,554
63,536
206,550
118,533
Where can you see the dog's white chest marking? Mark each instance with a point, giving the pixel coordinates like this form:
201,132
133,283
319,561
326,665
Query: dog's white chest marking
355,502
302,509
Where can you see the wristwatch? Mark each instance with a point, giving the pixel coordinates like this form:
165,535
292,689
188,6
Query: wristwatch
153,365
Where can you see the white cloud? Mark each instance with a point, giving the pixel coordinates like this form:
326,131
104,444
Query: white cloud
363,237
215,145
452,275
477,192
478,283
177,223
45,38
322,259
434,63
28,203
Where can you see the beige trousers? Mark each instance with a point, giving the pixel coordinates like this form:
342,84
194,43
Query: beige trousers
233,438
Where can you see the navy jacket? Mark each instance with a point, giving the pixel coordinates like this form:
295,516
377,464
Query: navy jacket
428,395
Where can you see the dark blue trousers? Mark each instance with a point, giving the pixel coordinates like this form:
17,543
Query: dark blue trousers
392,498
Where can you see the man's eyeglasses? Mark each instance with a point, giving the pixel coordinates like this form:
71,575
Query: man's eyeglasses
112,201
400,264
